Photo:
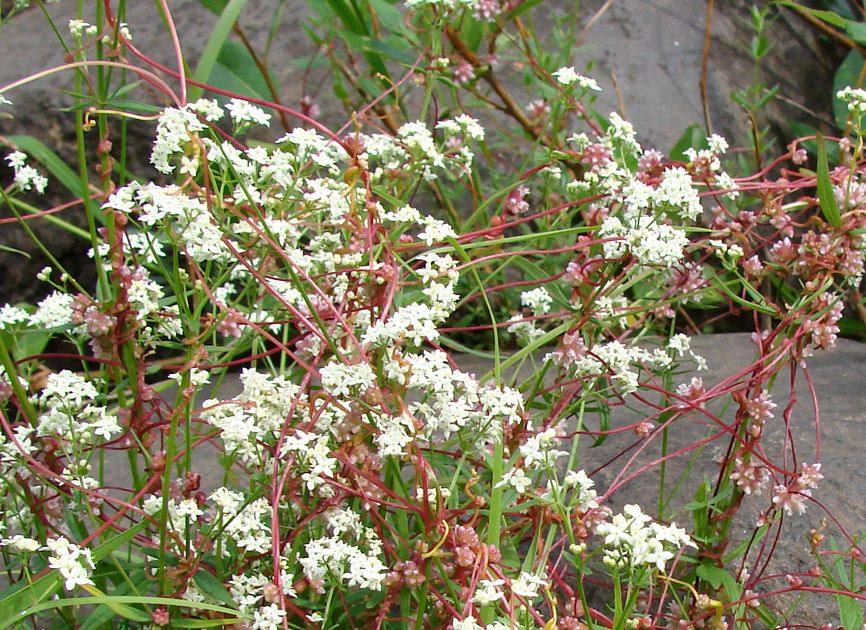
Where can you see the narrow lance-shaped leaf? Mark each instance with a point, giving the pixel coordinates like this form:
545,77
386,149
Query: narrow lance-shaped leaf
826,198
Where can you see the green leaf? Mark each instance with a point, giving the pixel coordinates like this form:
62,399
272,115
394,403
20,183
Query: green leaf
856,31
694,137
850,613
215,42
235,70
699,511
210,585
26,344
391,18
121,604
203,623
348,17
848,73
22,595
825,188
354,24
717,578
50,160
603,411
365,44
828,16
103,614
710,574
214,6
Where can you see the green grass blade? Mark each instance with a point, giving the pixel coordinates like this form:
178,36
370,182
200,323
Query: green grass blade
121,601
22,595
825,188
214,44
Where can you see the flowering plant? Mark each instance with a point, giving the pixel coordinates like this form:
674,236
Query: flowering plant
365,477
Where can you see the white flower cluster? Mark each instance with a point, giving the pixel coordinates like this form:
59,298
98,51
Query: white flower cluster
537,300
633,539
677,193
256,416
567,76
245,114
540,449
74,563
528,585
315,460
855,97
21,544
584,494
356,563
174,130
54,310
14,452
650,242
67,412
26,177
617,359
414,323
250,526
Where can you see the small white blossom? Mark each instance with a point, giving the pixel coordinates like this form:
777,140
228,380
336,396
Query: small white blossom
26,177
244,113
74,563
567,76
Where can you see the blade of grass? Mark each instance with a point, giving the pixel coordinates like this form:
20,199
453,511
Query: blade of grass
218,36
826,198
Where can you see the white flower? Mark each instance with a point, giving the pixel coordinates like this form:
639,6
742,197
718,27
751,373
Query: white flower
537,300
855,97
726,182
680,343
21,543
77,27
186,508
208,108
517,479
488,592
650,242
676,191
67,390
244,113
73,562
12,315
468,623
567,76
527,585
717,143
172,135
395,432
435,231
268,617
26,177
55,310
414,323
